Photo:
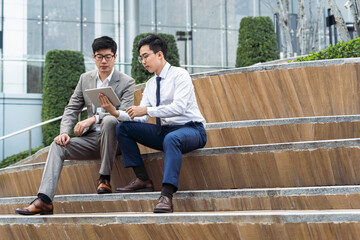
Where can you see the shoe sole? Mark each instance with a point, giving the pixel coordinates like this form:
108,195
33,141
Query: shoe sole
103,192
163,211
41,213
139,190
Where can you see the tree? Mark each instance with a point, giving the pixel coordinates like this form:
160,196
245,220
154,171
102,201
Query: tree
61,74
340,23
283,7
354,6
257,41
301,34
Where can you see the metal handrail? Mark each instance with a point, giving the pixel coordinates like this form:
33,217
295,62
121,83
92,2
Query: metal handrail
34,126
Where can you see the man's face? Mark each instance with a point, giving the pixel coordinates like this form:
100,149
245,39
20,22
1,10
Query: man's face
150,60
104,60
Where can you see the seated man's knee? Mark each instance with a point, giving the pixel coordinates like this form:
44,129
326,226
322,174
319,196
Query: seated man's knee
108,123
121,128
171,140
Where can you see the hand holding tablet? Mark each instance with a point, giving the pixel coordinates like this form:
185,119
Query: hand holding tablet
93,94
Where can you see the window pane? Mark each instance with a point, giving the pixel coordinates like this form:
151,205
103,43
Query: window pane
14,77
171,13
15,38
34,9
68,10
232,40
207,13
15,9
62,35
33,40
146,12
34,77
208,47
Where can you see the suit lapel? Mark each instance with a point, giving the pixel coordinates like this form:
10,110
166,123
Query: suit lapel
92,82
115,79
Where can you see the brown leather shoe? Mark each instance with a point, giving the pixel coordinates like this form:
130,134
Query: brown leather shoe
137,186
36,207
164,205
103,186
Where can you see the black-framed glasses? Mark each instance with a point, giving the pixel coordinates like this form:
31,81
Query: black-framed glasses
100,57
144,57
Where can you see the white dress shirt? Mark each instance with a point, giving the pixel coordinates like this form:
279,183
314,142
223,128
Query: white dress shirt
178,103
101,84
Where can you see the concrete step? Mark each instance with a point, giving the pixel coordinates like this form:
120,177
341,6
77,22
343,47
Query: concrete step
298,164
302,198
326,224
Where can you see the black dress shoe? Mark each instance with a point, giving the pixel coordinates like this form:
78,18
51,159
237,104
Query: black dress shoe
36,207
164,205
137,185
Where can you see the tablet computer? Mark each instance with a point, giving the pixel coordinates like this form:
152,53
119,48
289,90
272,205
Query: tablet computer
93,94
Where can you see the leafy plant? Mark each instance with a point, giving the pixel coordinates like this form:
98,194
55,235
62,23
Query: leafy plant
339,50
17,157
138,72
257,41
61,74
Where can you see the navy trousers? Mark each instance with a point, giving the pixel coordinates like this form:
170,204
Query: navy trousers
174,140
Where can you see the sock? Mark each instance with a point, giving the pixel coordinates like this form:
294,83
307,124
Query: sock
168,190
44,198
141,173
106,177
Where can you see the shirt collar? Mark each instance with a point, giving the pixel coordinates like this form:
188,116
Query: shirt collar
106,79
164,71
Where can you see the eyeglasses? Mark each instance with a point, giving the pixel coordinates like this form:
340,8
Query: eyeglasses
144,57
108,57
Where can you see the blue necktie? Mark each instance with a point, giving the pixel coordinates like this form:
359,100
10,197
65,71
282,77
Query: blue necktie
158,123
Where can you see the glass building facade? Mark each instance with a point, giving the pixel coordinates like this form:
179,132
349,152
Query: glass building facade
30,28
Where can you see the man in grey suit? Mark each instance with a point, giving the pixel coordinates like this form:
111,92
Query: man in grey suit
95,135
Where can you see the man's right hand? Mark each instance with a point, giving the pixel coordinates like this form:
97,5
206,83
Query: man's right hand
62,139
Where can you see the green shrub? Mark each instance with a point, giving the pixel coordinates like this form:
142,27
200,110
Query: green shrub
17,157
62,71
257,41
138,72
339,50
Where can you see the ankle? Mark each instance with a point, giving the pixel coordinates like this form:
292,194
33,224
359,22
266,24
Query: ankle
168,190
44,198
105,177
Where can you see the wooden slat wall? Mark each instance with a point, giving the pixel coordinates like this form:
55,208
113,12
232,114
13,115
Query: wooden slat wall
285,93
204,230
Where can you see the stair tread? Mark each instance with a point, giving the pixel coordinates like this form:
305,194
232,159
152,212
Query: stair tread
268,216
248,192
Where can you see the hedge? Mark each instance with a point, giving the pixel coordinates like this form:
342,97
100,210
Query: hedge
61,74
138,72
17,157
257,41
339,50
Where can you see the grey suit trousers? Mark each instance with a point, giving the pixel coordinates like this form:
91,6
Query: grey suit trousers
92,145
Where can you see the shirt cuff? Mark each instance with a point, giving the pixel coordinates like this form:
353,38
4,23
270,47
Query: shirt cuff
152,111
123,116
97,117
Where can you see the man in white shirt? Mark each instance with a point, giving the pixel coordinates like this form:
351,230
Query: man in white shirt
95,136
168,96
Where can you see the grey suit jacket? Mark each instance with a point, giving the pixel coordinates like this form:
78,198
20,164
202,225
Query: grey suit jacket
122,84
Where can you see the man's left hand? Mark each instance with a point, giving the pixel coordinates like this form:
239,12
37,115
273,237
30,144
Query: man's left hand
136,111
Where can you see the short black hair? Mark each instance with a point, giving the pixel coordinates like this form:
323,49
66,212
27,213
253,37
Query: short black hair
104,42
155,42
